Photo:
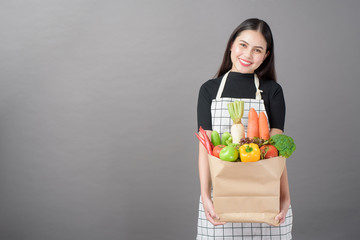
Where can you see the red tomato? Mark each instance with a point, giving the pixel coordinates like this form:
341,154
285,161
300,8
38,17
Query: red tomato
217,149
272,151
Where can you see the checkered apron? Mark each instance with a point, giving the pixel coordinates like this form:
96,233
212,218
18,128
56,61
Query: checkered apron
222,122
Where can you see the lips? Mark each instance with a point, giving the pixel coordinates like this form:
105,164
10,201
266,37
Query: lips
244,62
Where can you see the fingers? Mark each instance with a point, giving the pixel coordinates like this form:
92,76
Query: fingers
211,215
213,219
280,218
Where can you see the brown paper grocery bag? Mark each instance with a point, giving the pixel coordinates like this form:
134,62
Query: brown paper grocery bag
247,191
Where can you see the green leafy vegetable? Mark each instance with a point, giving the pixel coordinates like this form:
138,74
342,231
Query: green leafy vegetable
284,144
236,111
225,137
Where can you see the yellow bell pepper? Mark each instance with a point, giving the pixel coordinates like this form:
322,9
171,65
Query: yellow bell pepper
249,152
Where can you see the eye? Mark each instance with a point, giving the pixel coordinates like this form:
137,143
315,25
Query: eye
258,50
243,45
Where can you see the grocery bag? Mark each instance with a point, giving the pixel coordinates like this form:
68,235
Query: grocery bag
247,191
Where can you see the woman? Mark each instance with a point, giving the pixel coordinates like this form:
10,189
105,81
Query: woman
247,73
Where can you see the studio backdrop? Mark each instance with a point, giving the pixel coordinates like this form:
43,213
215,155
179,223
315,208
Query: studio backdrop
98,114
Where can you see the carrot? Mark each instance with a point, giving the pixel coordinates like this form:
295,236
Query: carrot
263,126
253,124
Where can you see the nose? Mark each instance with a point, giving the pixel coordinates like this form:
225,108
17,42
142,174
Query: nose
248,53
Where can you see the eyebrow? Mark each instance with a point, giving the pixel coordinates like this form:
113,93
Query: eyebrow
249,44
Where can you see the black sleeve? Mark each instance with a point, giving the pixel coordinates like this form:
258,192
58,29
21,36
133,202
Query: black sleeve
277,108
204,109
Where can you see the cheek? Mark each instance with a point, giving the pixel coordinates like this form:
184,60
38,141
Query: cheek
234,51
259,59
233,55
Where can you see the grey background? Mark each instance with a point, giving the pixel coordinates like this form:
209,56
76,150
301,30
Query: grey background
98,113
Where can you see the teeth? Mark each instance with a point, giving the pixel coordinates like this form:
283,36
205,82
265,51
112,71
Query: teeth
243,61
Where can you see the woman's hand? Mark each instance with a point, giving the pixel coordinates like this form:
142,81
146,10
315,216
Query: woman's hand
284,207
281,216
210,212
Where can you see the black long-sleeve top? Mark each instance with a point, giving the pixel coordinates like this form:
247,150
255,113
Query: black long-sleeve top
240,85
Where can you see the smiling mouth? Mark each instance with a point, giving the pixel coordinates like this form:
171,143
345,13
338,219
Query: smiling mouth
244,62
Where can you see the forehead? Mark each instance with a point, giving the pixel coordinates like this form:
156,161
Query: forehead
252,37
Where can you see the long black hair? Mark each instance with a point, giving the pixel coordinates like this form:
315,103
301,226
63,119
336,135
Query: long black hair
267,69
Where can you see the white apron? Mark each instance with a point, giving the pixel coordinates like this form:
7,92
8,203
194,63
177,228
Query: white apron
221,123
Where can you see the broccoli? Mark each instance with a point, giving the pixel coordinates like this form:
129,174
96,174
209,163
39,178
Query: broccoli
284,144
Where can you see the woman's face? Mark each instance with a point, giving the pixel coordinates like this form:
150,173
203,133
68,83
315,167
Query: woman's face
248,51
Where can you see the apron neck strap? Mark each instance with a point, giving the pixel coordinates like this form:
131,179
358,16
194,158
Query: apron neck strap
223,81
258,91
